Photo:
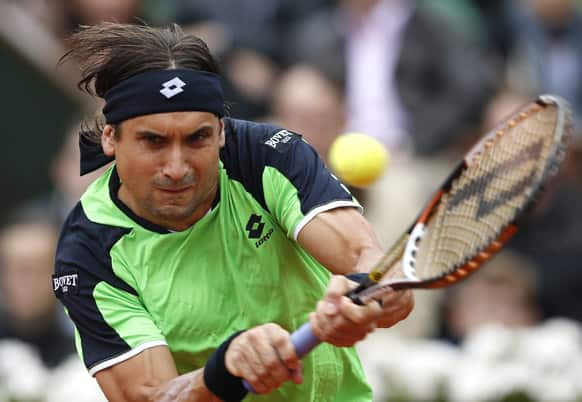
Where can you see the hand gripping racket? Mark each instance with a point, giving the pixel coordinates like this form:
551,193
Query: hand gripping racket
475,212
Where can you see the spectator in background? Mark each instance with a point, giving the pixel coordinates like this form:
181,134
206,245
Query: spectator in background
48,14
307,101
61,17
68,184
546,50
411,80
414,83
89,12
504,292
552,236
249,37
28,309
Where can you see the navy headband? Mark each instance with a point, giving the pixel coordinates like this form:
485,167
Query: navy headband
164,91
160,91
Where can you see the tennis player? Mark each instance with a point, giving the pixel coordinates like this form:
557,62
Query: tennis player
187,263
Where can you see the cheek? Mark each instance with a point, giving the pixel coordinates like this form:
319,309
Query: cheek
201,162
136,172
207,170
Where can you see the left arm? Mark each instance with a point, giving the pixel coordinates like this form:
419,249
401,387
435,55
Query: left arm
295,182
344,242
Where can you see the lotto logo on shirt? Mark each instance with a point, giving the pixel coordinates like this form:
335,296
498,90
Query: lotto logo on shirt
255,227
281,140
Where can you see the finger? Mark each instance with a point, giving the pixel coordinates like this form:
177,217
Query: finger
360,315
269,367
391,295
287,356
400,299
238,363
280,358
256,369
396,310
328,308
285,350
324,321
338,286
338,330
349,338
297,375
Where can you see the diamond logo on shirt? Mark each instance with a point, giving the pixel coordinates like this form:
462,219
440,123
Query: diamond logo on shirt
255,226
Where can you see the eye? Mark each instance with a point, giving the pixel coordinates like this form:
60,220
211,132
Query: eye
199,136
153,139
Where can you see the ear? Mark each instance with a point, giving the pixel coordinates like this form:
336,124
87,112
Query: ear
221,138
108,141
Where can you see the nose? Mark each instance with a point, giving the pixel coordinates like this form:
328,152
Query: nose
176,167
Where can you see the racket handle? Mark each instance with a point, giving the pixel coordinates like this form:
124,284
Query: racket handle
304,341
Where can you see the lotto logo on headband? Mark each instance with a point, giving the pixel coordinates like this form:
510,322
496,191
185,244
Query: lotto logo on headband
172,87
140,95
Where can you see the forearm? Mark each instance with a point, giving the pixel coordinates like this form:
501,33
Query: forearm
188,387
350,244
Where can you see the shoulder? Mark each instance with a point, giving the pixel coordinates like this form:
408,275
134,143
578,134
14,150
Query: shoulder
83,250
246,139
250,148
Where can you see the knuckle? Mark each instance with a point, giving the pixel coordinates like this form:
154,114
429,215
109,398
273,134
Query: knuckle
234,353
272,327
325,334
253,335
358,318
272,365
253,379
280,342
261,371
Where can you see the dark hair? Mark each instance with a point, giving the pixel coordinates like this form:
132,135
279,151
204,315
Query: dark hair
109,53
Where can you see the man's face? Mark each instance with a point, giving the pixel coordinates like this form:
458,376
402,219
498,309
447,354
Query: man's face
168,165
26,264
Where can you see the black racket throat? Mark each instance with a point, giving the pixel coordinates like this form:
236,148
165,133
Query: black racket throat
364,283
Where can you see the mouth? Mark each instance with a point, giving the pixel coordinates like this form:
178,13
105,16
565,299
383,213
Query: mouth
178,190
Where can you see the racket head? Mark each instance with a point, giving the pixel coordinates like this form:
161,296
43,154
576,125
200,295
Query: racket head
478,208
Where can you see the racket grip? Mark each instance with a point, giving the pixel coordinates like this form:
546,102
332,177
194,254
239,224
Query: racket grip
304,341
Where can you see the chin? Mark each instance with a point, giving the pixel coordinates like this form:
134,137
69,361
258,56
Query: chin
175,213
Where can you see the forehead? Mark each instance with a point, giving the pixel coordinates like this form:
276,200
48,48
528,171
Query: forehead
174,122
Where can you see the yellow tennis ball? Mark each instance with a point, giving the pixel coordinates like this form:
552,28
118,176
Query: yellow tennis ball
358,159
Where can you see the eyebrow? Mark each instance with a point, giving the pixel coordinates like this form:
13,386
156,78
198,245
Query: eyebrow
146,132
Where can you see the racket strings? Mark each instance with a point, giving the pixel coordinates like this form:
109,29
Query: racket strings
496,185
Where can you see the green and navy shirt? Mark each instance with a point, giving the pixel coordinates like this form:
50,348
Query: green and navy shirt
128,284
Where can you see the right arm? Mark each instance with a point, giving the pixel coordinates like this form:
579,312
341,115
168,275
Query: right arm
152,376
263,355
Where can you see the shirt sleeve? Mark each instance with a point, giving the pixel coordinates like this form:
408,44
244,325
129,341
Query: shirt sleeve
111,324
297,185
282,172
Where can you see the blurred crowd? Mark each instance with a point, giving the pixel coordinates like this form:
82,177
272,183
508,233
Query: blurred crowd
424,77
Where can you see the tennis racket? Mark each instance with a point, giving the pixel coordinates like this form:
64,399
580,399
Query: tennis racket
475,212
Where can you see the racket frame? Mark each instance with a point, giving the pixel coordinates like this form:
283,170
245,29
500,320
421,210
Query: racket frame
375,286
